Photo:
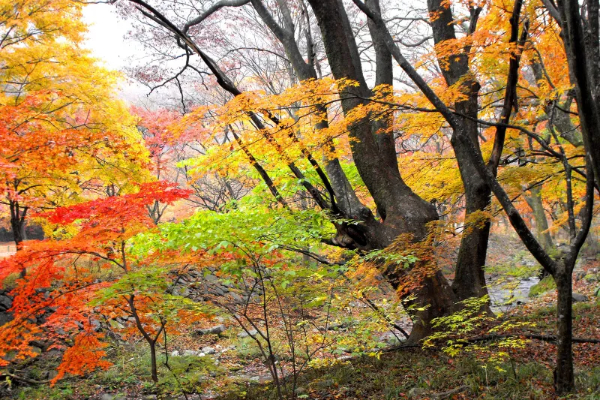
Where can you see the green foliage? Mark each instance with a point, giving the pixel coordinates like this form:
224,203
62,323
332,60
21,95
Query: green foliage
454,331
545,285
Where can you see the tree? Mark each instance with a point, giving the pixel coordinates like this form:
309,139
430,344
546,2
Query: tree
56,104
560,267
170,145
400,209
86,271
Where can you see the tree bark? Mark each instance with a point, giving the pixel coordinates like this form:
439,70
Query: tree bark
564,380
401,210
469,279
580,35
539,216
17,222
153,365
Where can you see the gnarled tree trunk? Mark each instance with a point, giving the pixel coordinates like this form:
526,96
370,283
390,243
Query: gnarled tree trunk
401,210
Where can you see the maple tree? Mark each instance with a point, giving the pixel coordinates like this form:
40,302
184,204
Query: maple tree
331,152
84,272
58,104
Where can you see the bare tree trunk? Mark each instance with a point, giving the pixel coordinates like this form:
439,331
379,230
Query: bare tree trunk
17,222
154,369
563,377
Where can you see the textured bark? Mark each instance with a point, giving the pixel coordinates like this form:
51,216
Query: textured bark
581,38
401,210
17,222
560,119
539,215
564,379
348,202
470,276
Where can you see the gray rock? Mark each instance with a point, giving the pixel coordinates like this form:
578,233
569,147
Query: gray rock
215,330
578,297
108,396
5,317
190,353
208,350
5,302
175,353
244,334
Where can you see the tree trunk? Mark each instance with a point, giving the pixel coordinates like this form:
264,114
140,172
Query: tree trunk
18,228
541,223
154,368
564,380
469,280
539,216
17,222
401,210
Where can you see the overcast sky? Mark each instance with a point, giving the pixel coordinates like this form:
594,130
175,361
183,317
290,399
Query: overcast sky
105,39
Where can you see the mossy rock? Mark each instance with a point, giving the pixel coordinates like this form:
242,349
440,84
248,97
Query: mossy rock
543,286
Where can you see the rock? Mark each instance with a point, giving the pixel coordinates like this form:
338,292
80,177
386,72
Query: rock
190,353
5,317
5,302
416,393
215,330
212,279
208,350
108,396
226,349
244,334
578,297
97,325
175,353
236,297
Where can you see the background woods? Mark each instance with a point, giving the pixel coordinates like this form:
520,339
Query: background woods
307,184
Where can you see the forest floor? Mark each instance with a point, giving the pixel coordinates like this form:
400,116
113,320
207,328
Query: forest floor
405,373
233,368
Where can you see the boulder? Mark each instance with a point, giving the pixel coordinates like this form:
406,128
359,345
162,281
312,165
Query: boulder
578,297
5,302
251,332
215,330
